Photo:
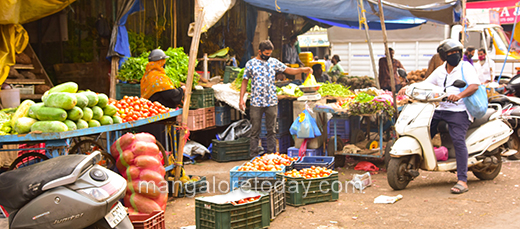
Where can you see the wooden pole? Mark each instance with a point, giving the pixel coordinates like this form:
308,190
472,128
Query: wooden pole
388,59
370,49
171,24
187,96
175,24
113,76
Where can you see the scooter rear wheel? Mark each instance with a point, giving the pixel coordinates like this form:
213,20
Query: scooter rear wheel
396,174
490,174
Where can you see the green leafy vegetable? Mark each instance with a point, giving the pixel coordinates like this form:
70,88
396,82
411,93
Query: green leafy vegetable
333,89
237,83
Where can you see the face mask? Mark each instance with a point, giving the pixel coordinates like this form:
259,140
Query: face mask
481,57
470,56
264,57
453,59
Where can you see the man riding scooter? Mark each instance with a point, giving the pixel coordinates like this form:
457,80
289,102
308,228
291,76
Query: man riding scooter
454,111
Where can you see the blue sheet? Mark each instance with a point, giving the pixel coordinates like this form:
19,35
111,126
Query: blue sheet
122,46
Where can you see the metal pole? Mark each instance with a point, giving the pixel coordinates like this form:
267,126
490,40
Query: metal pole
387,51
376,76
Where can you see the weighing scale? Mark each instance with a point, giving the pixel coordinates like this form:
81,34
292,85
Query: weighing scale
310,93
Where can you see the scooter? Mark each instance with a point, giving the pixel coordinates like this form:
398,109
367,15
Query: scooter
69,191
486,139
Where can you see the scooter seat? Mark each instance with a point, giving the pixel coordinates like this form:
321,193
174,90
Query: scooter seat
443,126
20,186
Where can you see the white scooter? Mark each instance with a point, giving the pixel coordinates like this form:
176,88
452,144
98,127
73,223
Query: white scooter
486,139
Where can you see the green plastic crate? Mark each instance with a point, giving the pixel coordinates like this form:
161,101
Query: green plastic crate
230,74
276,189
228,216
236,150
189,189
128,89
295,196
202,98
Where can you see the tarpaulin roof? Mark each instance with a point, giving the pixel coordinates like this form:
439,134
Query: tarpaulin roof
398,13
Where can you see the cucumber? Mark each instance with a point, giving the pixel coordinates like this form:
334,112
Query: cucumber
97,113
102,100
92,98
75,114
62,100
22,111
71,125
81,124
82,100
33,109
23,125
110,110
106,120
117,119
49,126
69,87
51,114
93,123
87,114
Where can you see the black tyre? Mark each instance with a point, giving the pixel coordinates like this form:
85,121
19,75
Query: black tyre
386,156
396,174
490,174
514,143
357,136
27,159
86,147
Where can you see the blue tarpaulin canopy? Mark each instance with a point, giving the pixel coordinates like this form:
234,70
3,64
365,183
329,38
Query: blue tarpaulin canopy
344,13
119,45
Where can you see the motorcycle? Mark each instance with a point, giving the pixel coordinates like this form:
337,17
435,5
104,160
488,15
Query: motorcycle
70,191
486,139
510,101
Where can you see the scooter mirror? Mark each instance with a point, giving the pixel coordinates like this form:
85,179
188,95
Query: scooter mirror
402,73
459,84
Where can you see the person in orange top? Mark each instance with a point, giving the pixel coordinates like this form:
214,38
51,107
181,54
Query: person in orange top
155,84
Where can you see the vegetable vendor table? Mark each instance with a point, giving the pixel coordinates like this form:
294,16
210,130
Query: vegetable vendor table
340,151
57,143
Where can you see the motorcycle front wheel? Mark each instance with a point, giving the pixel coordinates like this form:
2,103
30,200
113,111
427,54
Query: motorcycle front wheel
490,174
397,177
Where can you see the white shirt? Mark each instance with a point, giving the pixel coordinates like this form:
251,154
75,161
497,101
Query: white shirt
483,70
440,75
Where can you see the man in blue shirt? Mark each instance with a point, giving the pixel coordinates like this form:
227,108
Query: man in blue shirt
262,70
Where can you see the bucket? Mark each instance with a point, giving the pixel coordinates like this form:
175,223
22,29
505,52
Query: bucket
10,98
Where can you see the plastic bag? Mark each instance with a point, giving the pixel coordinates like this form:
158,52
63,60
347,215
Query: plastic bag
140,162
305,126
476,104
366,166
238,129
441,153
193,148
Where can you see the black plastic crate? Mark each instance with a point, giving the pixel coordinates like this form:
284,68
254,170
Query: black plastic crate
307,162
276,190
202,98
127,89
236,150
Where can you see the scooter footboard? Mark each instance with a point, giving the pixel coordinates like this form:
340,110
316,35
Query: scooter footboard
405,146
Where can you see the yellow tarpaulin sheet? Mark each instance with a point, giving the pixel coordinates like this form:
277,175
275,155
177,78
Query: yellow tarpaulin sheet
13,37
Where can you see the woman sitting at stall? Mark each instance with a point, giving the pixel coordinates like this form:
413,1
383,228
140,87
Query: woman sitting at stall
156,85
336,71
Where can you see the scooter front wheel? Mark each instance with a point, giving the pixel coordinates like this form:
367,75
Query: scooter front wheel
490,173
397,177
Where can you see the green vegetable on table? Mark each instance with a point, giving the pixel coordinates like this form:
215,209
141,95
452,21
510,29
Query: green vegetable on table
291,90
237,83
333,89
363,97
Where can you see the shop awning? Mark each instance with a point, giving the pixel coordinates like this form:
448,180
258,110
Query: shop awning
399,14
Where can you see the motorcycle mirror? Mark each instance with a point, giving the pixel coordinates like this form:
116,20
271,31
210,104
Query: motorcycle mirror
459,84
402,73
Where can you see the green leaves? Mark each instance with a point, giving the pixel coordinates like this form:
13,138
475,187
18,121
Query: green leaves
333,89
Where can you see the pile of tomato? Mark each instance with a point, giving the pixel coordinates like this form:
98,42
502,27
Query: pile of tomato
132,108
268,162
309,173
245,200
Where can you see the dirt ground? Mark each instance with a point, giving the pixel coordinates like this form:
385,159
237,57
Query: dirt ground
427,202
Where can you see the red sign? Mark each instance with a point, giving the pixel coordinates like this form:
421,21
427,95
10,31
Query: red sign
506,9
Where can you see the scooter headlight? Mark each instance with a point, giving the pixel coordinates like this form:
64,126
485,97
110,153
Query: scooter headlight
106,191
422,94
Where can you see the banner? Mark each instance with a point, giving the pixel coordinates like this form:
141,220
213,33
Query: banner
506,9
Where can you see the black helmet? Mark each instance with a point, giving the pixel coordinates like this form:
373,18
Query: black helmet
157,54
447,46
